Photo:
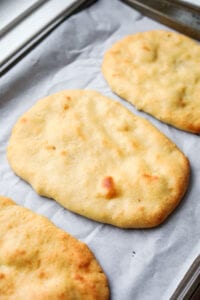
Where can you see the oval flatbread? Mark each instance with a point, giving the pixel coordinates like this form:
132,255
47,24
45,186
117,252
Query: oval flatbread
40,261
158,71
97,159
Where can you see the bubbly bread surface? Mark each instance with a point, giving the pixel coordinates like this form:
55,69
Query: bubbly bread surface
158,71
38,261
99,160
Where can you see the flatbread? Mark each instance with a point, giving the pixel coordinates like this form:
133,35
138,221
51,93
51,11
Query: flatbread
158,71
38,261
97,159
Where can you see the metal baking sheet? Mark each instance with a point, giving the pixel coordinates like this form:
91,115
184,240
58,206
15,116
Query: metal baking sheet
179,15
28,23
140,264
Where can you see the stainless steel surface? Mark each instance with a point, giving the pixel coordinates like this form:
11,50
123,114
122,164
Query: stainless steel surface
189,287
31,25
18,10
182,16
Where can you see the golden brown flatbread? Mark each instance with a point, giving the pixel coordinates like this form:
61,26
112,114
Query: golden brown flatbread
158,71
97,159
38,261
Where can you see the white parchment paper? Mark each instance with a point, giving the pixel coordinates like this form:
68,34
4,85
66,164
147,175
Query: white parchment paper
140,264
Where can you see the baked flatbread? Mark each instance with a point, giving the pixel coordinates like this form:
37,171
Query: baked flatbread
158,71
38,261
97,159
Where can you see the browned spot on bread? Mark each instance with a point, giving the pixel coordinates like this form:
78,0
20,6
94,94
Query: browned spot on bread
150,177
68,97
146,48
5,201
50,147
61,296
64,237
65,107
10,226
84,263
128,61
42,275
2,276
115,52
135,144
115,75
109,187
23,120
21,252
79,277
124,127
63,152
80,133
105,142
119,152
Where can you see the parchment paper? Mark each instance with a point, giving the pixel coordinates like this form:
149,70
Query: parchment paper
140,264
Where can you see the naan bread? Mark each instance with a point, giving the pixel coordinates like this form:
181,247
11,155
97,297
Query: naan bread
97,159
159,72
38,261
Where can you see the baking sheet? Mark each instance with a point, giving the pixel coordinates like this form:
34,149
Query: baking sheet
140,264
